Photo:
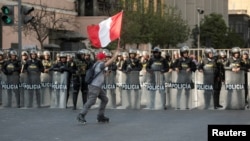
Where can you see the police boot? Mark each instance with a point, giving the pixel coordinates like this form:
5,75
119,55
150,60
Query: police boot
75,95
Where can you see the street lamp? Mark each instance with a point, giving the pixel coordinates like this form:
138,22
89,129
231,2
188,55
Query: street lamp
200,11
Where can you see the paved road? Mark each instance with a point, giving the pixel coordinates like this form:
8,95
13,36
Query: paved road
47,124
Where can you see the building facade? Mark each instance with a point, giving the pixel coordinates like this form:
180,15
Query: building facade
86,12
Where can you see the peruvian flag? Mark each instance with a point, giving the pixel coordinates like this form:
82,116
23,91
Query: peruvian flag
106,31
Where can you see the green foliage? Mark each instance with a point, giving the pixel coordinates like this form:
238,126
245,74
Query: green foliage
214,32
158,29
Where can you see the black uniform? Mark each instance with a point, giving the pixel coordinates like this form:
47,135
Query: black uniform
211,64
131,65
34,67
157,64
79,68
246,64
184,63
219,78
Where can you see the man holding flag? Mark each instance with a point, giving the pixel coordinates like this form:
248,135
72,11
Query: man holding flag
101,35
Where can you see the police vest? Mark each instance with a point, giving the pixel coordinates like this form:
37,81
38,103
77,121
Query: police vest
47,64
10,67
157,65
235,63
33,67
209,65
81,67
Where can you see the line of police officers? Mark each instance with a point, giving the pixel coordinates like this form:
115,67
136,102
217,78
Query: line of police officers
34,69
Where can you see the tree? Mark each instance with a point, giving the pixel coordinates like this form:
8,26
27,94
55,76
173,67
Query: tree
158,28
213,30
45,21
233,39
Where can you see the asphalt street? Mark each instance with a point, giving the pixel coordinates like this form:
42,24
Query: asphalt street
46,124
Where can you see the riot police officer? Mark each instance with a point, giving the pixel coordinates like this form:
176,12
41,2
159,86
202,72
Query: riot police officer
235,61
156,67
60,76
246,62
131,67
82,64
34,67
210,67
1,73
184,66
222,62
132,63
110,81
11,69
23,77
46,77
237,68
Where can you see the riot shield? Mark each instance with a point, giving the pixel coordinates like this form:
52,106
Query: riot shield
204,87
59,90
10,95
235,92
181,87
23,91
120,79
33,88
156,91
110,87
144,78
63,89
1,89
168,80
130,91
45,88
55,93
133,88
122,94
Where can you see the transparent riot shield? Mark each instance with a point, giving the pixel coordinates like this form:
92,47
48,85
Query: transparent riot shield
23,91
131,91
181,88
234,98
156,91
33,88
2,81
120,79
168,80
204,87
45,88
59,90
122,94
110,87
10,95
144,78
55,93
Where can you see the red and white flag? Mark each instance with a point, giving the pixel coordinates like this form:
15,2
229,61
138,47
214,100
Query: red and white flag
106,31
